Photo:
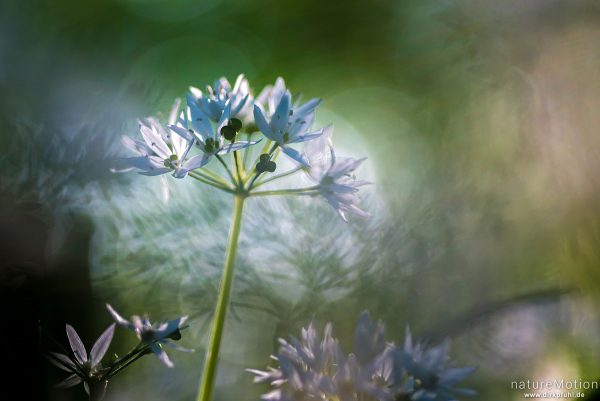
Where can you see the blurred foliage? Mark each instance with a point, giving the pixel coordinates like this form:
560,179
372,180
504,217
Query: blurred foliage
480,122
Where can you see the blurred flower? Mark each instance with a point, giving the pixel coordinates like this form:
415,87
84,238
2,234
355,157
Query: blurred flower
285,125
161,152
432,375
315,368
217,97
311,368
270,96
154,335
336,182
303,367
83,367
197,128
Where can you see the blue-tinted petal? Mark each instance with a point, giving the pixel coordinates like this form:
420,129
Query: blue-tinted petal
262,124
306,137
280,119
296,155
230,147
451,376
161,354
306,108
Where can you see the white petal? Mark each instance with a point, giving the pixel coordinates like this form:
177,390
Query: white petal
101,345
174,111
199,120
118,318
76,344
344,167
161,355
155,141
196,162
136,146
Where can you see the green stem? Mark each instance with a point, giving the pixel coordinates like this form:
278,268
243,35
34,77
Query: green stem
295,191
246,152
239,169
209,178
233,180
142,352
123,359
211,183
209,372
213,175
276,177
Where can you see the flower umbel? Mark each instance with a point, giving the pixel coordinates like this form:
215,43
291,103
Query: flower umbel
156,335
311,368
210,125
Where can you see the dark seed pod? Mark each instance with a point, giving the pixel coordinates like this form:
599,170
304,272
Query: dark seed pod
228,132
236,124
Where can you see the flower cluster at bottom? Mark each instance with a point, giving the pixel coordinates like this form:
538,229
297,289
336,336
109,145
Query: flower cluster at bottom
317,369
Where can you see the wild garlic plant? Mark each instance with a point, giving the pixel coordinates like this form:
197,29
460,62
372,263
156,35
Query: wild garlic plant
316,368
93,373
220,126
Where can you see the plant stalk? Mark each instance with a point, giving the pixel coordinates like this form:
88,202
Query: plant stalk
209,373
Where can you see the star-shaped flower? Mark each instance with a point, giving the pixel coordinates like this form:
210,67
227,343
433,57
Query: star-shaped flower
287,125
84,367
335,176
196,128
154,335
433,377
161,152
213,102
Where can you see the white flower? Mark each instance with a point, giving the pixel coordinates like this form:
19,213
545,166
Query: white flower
161,152
334,176
213,102
154,335
83,367
194,126
284,124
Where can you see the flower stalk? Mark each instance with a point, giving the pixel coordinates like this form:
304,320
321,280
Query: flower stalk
209,372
